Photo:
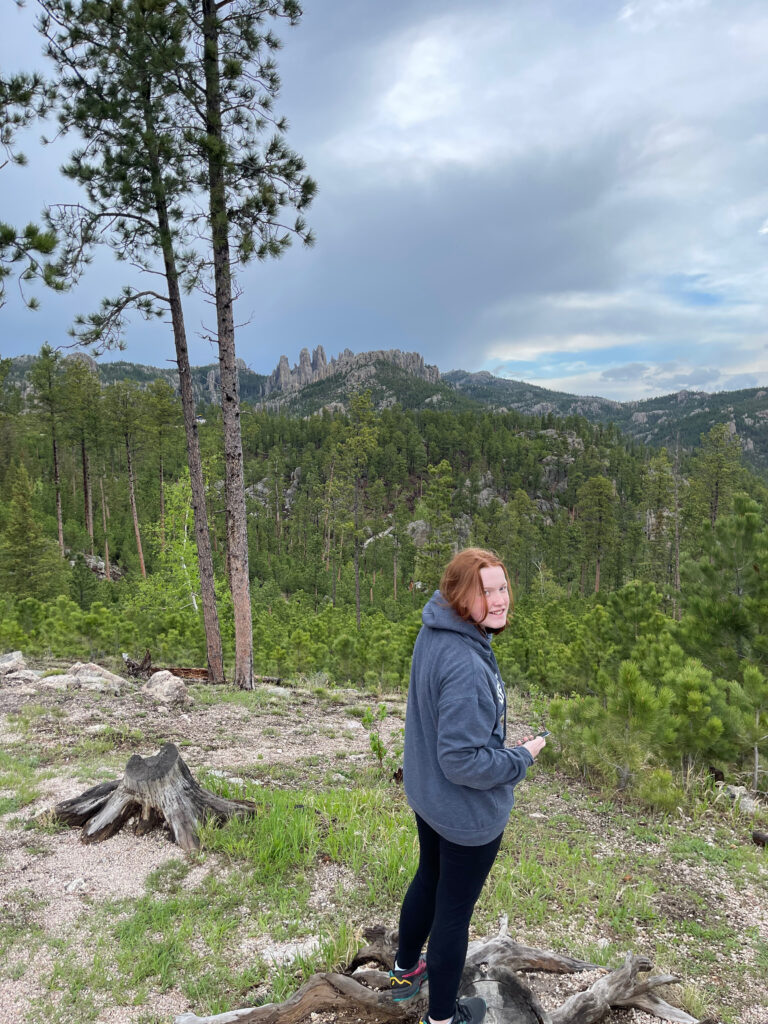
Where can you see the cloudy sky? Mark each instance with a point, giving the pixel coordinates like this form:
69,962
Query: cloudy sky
573,194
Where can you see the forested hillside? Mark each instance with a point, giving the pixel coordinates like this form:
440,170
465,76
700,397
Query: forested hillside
639,575
395,377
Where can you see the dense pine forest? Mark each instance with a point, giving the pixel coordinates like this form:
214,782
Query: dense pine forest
639,574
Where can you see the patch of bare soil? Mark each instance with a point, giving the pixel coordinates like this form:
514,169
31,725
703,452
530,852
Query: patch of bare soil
54,882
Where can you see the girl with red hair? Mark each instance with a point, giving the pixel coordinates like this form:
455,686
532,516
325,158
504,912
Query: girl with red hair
459,778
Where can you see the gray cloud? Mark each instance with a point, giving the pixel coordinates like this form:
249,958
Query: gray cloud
632,371
512,184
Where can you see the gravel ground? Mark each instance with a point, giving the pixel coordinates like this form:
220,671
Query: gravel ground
54,880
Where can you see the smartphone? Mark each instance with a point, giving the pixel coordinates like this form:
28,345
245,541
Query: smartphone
544,732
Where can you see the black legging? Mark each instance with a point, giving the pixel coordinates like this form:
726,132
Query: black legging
439,904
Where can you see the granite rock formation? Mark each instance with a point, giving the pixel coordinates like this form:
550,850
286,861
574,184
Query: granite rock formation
317,367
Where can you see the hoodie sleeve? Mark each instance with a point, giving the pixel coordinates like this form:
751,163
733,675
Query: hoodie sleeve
466,717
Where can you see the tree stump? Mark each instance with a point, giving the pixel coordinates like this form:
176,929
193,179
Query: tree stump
491,971
156,791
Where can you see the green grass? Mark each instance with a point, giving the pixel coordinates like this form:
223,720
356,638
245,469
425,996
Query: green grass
19,778
588,875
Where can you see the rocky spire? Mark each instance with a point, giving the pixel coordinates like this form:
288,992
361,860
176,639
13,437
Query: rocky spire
317,368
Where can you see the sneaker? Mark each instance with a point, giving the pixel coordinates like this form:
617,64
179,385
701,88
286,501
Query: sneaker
468,1011
406,984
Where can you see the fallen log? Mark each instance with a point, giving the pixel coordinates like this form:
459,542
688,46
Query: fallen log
364,996
155,791
201,675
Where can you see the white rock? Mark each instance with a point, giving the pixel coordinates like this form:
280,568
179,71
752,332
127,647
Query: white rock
12,662
99,685
25,675
65,682
166,687
92,670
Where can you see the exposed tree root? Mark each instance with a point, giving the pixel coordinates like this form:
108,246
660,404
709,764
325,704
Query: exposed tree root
492,971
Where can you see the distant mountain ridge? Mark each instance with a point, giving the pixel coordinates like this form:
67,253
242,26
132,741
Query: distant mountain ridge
392,376
656,421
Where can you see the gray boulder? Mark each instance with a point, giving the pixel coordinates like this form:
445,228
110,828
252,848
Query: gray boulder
165,687
63,682
12,662
94,677
22,677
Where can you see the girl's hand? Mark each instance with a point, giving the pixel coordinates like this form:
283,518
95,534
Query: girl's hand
534,745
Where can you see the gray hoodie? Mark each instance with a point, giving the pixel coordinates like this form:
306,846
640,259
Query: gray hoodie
458,775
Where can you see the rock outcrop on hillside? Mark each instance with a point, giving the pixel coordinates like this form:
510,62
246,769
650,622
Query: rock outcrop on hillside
317,367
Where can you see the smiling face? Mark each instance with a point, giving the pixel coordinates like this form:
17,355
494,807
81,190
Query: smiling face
490,606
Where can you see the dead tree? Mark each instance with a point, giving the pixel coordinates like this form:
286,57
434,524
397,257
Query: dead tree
155,791
492,970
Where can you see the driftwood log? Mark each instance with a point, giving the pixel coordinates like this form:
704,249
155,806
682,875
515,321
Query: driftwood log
492,971
155,791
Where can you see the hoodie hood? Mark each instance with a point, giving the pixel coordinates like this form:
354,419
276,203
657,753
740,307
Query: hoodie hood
438,614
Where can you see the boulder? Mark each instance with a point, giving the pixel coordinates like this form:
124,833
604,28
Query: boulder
62,682
22,678
418,531
90,670
12,662
164,686
98,684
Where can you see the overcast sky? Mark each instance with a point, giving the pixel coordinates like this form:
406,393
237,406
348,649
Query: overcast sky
573,194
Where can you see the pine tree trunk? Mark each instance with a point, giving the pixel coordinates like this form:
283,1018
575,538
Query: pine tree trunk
162,506
134,513
234,483
87,496
57,488
756,755
357,551
107,571
677,610
214,650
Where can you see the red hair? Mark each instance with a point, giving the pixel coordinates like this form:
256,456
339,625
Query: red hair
461,580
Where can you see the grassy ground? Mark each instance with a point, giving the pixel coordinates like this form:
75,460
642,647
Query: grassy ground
272,899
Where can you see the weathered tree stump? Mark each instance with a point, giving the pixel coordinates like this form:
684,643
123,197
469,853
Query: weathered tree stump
155,791
492,971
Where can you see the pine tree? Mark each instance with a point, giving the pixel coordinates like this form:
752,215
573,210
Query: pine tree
714,476
30,564
726,588
597,515
161,424
82,410
183,99
435,508
755,687
248,182
24,98
356,451
117,66
122,401
45,376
